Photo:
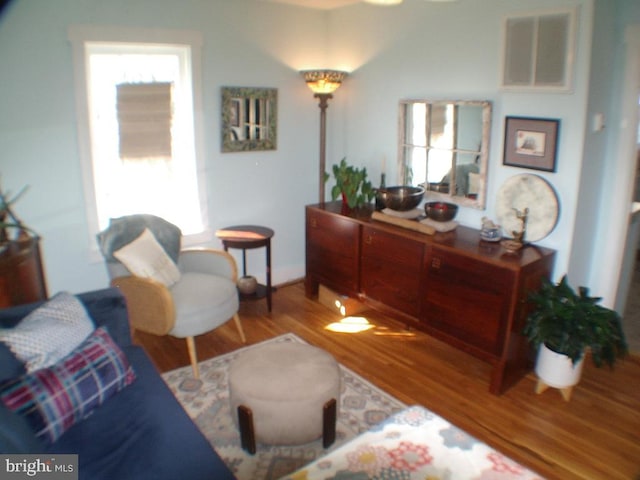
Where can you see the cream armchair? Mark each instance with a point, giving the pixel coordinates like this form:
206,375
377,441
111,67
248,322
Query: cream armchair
203,297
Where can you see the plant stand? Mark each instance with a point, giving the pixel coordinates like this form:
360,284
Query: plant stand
565,391
557,371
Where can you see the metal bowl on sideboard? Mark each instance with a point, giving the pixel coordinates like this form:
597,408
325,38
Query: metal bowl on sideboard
440,211
401,198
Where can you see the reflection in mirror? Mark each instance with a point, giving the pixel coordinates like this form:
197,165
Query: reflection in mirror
444,146
249,119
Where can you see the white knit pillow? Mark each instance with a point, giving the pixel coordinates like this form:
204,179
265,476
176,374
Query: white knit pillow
145,257
49,332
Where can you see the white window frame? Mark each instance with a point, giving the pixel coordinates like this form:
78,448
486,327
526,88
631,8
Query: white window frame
79,36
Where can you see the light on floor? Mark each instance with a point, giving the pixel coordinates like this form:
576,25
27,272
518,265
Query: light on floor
350,325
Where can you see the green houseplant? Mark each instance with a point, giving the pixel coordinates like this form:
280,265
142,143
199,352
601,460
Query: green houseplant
569,323
8,219
351,184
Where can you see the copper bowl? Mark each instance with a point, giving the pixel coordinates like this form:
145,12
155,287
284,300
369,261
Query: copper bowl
441,211
401,198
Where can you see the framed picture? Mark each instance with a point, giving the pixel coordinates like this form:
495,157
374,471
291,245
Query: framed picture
234,113
531,143
249,119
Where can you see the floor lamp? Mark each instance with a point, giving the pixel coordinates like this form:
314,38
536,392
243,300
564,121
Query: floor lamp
323,83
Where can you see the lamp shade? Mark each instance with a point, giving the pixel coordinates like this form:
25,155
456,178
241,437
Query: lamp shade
323,81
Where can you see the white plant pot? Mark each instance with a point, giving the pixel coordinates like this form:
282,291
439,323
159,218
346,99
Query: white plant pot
556,370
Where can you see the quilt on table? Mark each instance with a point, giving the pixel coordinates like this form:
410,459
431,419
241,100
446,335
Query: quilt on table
414,444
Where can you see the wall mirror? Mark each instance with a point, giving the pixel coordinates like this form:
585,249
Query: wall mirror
249,119
444,147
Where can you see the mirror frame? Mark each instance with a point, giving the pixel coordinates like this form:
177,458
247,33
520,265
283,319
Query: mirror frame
230,98
480,201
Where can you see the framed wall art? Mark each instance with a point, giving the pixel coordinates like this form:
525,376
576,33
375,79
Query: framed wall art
249,119
531,143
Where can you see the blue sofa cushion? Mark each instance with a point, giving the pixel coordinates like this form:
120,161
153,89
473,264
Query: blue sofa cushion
10,366
143,433
106,307
55,398
16,435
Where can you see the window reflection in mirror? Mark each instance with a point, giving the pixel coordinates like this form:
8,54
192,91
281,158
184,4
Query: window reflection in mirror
444,147
249,119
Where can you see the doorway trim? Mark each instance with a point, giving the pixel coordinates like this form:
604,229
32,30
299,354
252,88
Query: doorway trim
626,162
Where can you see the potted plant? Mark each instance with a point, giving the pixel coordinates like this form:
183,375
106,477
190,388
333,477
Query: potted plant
351,184
8,218
563,325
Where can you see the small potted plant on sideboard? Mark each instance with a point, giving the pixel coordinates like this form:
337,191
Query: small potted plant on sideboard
352,184
564,325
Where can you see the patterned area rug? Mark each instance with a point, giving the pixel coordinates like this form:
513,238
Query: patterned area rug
362,405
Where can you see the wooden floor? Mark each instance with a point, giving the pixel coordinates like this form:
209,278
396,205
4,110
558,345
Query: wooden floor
594,436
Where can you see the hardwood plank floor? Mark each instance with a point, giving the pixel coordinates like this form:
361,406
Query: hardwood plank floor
594,436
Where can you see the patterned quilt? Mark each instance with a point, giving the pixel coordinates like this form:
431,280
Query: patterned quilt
414,444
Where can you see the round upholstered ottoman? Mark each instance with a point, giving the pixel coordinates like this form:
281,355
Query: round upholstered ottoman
284,394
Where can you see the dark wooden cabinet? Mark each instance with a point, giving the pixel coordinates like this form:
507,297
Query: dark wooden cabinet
469,293
391,269
21,275
332,253
465,298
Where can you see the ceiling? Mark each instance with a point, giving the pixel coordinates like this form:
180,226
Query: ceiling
327,4
318,4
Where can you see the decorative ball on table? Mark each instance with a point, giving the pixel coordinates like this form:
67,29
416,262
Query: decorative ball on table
247,285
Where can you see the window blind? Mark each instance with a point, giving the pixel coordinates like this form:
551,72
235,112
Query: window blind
144,120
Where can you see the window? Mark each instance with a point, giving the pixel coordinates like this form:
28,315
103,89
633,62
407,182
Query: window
137,128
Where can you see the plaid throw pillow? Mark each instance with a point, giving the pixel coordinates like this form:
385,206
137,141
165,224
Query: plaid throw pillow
53,399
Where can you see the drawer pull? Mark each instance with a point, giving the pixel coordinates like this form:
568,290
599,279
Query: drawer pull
436,263
314,223
368,240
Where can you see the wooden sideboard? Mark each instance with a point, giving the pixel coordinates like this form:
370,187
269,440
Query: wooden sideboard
21,275
469,293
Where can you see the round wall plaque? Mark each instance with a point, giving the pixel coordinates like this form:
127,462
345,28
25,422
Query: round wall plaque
532,192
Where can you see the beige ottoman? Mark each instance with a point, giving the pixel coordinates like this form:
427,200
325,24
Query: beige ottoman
284,394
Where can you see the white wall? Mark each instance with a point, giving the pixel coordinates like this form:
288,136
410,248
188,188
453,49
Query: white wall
245,44
452,51
418,49
608,179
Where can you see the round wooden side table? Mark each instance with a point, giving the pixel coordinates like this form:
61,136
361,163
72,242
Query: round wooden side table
246,237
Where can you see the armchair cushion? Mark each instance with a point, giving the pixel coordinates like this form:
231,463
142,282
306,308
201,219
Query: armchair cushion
49,332
200,299
54,399
209,261
145,257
